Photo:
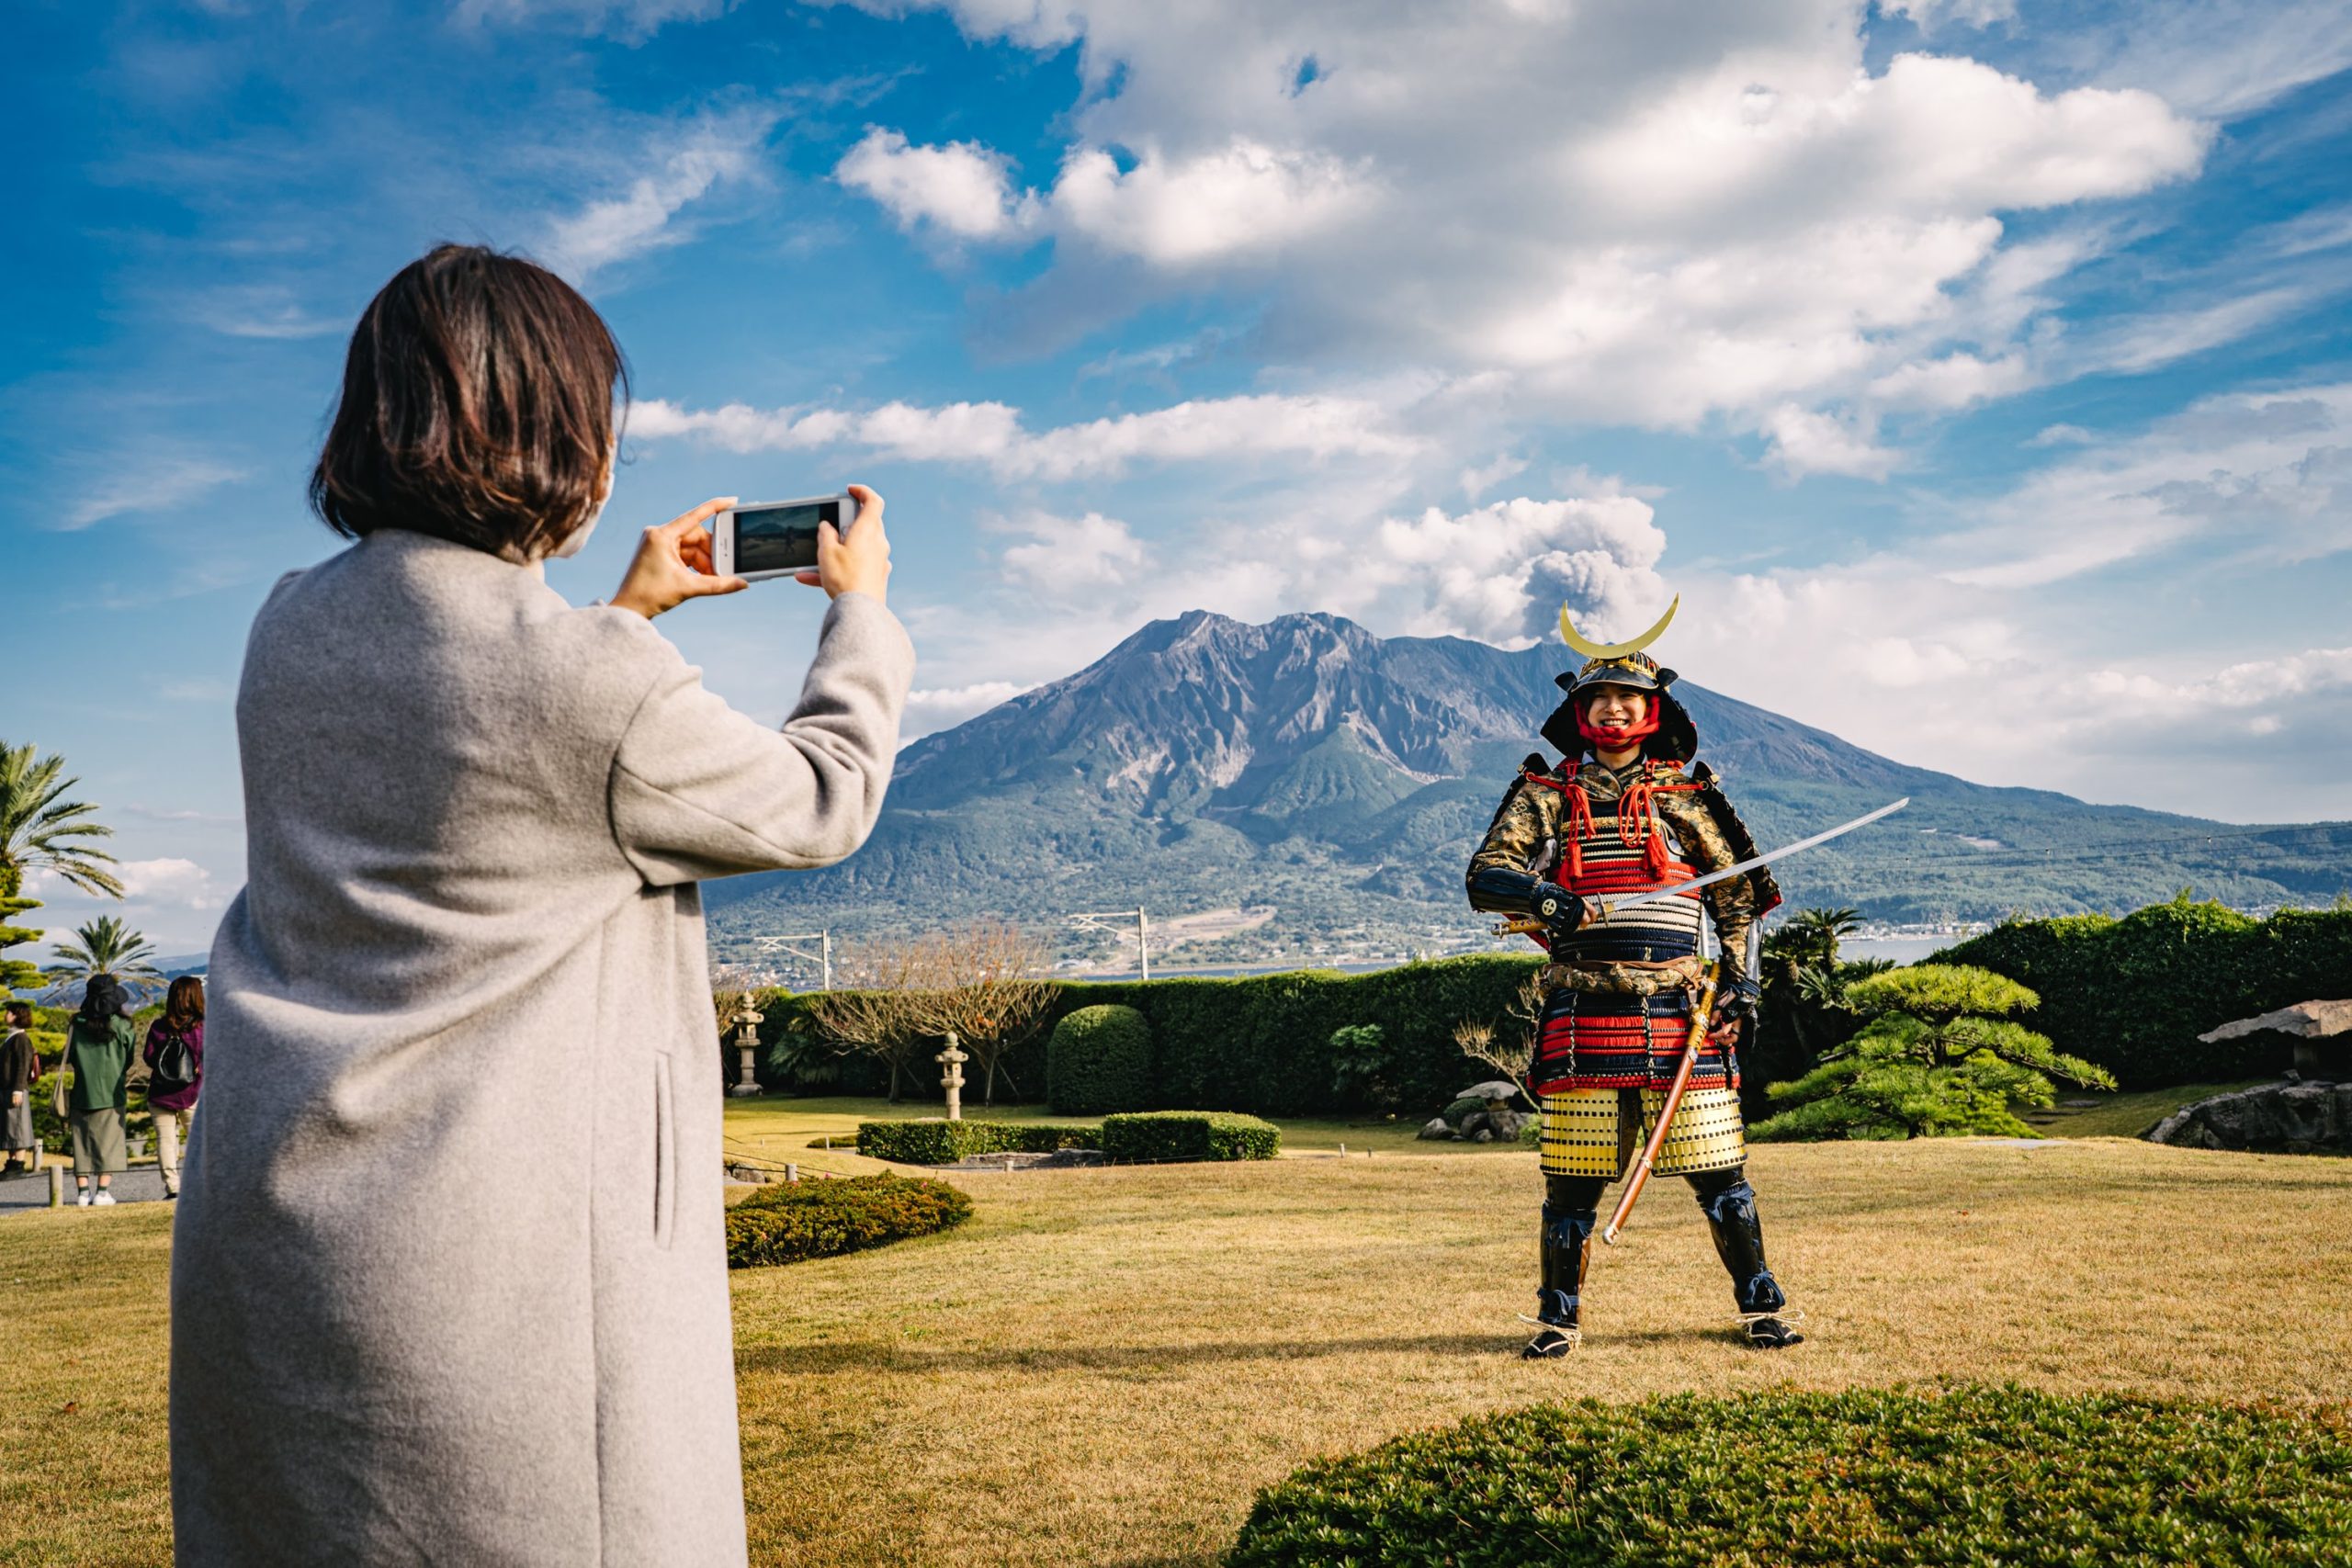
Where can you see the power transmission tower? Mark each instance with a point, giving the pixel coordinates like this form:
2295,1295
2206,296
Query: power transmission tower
1101,922
823,956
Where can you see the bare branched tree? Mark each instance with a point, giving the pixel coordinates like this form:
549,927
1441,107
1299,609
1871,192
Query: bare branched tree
876,1013
1508,1047
986,984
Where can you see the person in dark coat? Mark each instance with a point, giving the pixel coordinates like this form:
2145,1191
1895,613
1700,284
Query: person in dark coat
16,1136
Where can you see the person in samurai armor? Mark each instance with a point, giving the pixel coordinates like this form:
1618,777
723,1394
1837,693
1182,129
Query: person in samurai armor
1620,815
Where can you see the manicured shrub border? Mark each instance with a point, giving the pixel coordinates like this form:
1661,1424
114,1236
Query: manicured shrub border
1150,1136
1099,1059
1978,1476
792,1222
934,1140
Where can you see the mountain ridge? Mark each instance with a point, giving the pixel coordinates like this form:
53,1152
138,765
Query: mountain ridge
1343,778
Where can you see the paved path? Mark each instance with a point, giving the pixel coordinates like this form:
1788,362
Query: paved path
140,1184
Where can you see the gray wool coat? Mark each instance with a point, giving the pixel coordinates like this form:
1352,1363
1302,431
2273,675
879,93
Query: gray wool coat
449,1273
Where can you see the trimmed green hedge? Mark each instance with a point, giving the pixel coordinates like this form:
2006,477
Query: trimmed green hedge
1154,1136
1980,1476
795,1220
1099,1059
934,1140
1260,1044
2133,994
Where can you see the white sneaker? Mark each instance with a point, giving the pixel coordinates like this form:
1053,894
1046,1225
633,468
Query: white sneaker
103,1199
81,1197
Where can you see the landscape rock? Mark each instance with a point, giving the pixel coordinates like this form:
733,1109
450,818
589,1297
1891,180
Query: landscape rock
1483,1135
1437,1127
1493,1089
2281,1118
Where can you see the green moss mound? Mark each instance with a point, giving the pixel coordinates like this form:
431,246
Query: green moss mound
1979,1476
1157,1135
1099,1059
934,1140
795,1220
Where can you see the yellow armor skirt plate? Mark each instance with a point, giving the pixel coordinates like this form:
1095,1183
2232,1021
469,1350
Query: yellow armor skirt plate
1599,1132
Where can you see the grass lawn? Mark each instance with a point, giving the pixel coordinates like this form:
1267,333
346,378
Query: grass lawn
2123,1115
1104,1364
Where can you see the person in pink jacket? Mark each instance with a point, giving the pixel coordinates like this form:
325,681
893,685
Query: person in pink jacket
175,1047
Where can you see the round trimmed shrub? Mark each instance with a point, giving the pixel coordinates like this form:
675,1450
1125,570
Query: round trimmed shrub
1098,1060
1979,1476
794,1221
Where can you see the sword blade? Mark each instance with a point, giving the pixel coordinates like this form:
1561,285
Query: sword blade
1609,905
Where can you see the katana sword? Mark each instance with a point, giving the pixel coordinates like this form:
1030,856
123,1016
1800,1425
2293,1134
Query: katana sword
1604,908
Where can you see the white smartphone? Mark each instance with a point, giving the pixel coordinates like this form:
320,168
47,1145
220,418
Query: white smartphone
774,538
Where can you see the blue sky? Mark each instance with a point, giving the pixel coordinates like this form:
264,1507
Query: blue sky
1976,372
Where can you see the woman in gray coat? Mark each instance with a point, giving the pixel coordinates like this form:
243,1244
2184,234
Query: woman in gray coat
448,1280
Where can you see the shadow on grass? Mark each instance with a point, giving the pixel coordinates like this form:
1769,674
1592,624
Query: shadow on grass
871,1357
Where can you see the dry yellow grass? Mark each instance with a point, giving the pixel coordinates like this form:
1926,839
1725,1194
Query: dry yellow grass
1104,1364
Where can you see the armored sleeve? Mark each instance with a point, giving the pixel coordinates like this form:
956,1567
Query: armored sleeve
1523,834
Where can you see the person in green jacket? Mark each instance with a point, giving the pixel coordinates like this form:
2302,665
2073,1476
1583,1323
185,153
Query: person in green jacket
98,1046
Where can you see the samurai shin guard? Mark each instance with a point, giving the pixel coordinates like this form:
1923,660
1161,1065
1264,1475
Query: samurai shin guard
1729,1203
1571,1210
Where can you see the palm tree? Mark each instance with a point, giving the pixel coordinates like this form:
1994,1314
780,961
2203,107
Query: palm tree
1816,933
108,947
38,827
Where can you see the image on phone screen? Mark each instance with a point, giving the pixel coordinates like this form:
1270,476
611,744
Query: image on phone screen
781,538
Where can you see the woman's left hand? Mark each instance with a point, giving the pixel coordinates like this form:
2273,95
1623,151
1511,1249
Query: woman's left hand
672,564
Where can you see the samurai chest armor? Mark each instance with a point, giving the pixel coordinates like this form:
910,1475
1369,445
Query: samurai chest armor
1619,1007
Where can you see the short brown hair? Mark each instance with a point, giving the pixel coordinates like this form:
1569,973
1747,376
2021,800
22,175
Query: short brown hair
476,405
22,1014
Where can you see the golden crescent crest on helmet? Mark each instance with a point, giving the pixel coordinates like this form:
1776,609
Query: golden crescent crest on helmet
1590,650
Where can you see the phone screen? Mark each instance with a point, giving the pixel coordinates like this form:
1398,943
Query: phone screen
781,538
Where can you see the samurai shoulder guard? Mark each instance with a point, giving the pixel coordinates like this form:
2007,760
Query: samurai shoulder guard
1735,833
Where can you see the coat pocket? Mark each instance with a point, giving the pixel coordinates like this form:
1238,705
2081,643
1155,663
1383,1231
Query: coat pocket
665,1153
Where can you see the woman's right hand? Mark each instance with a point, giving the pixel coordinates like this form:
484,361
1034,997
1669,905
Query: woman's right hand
858,564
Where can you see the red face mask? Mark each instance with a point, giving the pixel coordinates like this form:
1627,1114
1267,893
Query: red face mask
1617,737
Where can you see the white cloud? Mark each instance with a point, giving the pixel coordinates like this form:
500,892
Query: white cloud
151,484
1932,14
170,881
2263,475
1235,201
945,708
1806,443
634,20
2150,342
961,189
991,434
1479,479
1066,556
717,150
1650,224
2219,57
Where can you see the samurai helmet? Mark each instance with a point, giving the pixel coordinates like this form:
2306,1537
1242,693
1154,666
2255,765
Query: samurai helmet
1675,739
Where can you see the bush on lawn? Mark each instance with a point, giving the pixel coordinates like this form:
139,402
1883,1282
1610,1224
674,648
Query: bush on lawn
934,1140
1155,1135
795,1220
1977,1476
2133,994
1099,1059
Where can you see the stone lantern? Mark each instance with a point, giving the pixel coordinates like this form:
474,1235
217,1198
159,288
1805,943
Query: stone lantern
747,1040
952,1080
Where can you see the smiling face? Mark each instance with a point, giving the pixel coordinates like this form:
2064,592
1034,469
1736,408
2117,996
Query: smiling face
1614,707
